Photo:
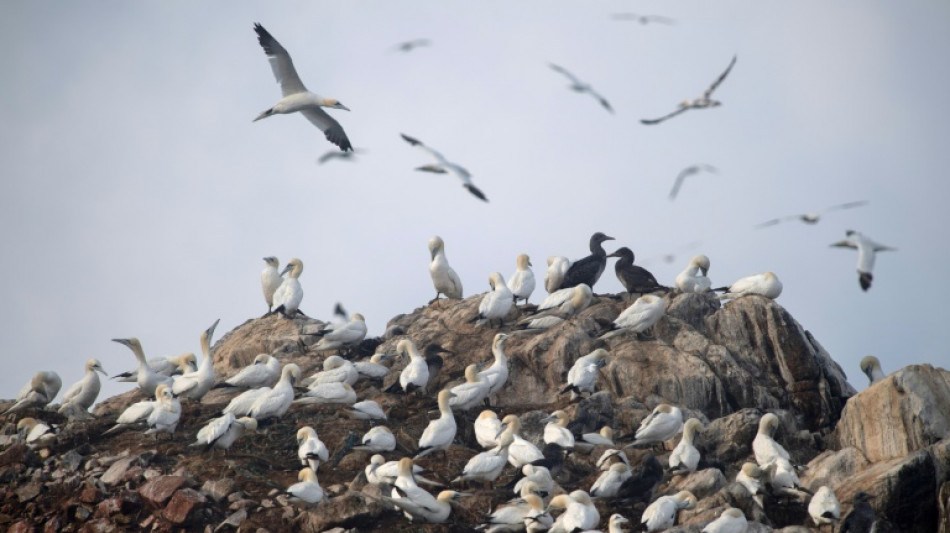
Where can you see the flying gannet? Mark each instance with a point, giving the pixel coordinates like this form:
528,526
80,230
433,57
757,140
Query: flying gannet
660,426
167,366
687,172
378,439
579,512
263,372
409,46
582,87
582,376
296,97
310,449
642,19
685,456
288,296
812,217
445,166
266,402
146,378
730,521
84,392
750,476
871,366
270,280
693,278
521,283
223,431
661,514
557,269
766,284
496,303
331,155
440,433
642,315
487,428
343,335
34,433
307,489
445,279
634,278
196,384
470,394
867,249
38,392
700,103
608,484
588,269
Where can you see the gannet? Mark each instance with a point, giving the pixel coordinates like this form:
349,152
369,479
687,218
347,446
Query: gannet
608,484
556,432
307,489
379,472
34,433
588,269
557,298
310,449
270,280
265,402
587,441
438,435
445,280
766,284
537,519
702,102
871,366
750,476
378,439
579,512
84,392
349,334
335,392
582,87
471,393
661,514
866,252
784,481
487,428
521,283
580,297
730,521
694,279
165,414
685,456
166,366
824,507
614,524
429,510
335,370
415,375
511,517
634,278
196,384
445,166
660,426
557,269
146,378
330,155
496,303
366,410
263,372
765,448
487,466
642,19
373,369
296,97
138,411
539,477
606,459
38,392
223,431
582,376
687,172
287,297
813,217
497,373
408,46
861,517
521,452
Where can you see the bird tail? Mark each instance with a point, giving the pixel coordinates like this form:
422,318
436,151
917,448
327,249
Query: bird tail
264,114
223,384
569,388
720,289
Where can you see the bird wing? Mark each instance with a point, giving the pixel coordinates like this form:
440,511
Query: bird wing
328,156
721,77
847,205
652,121
73,391
686,172
574,79
603,101
329,126
775,221
476,192
214,429
418,144
660,19
280,62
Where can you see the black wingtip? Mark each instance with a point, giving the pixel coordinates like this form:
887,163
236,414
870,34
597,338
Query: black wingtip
864,278
409,139
476,192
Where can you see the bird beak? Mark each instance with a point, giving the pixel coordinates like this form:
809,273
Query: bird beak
210,331
343,107
613,255
502,430
101,371
601,363
286,269
705,271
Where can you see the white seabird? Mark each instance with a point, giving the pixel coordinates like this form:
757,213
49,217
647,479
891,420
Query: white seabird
824,507
270,280
582,376
497,373
487,428
266,402
867,250
557,269
429,510
579,512
84,392
642,19
812,217
165,414
730,521
444,166
366,410
538,518
471,393
223,431
765,448
373,369
521,283
539,477
307,489
381,472
496,303
784,480
660,426
335,392
685,456
444,278
264,371
487,466
580,296
378,439
146,378
603,437
521,452
438,435
196,384
582,87
511,517
750,476
556,432
766,284
415,375
607,458
166,366
871,366
693,278
288,296
335,370
38,392
310,449
687,172
608,484
349,334
661,514
296,97
639,317
138,411
34,433
614,524
700,103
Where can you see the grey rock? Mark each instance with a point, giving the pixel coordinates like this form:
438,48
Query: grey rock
117,471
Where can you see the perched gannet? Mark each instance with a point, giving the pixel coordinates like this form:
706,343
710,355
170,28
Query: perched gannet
539,477
270,280
265,402
813,217
487,466
349,334
496,303
328,393
685,456
634,278
166,366
307,489
861,518
608,484
642,19
196,384
511,517
557,269
588,269
702,102
379,472
784,480
223,431
538,518
146,378
579,298
824,507
866,252
766,284
871,366
661,514
750,476
409,46
582,87
445,280
415,375
263,372
438,435
38,392
138,411
430,510
687,172
521,452
366,410
471,393
765,448
310,449
614,524
296,97
694,279
445,166
642,315
373,369
34,433
660,426
607,458
603,437
487,428
165,414
730,521
289,294
378,439
582,377
497,373
521,283
579,512
84,392
556,432
335,370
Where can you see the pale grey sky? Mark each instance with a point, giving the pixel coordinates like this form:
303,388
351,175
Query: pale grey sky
139,198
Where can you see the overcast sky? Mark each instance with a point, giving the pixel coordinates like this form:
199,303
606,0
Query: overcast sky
139,198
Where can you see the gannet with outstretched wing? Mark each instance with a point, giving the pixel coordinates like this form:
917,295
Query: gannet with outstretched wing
687,172
812,217
867,249
702,102
444,166
581,86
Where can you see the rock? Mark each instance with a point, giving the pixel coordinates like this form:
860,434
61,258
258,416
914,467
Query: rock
218,489
271,334
181,508
833,468
21,527
157,491
233,520
729,439
70,460
352,509
29,491
19,453
701,483
116,472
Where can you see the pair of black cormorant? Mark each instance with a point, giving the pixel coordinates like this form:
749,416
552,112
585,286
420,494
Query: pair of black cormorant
589,269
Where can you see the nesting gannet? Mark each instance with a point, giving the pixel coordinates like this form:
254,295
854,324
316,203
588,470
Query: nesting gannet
588,269
730,521
614,524
289,294
471,393
784,480
633,277
373,369
608,484
349,334
871,366
381,472
660,426
487,466
824,507
661,514
582,87
766,284
265,402
415,375
497,373
438,435
538,518
582,376
196,384
38,392
496,303
557,269
310,449
84,392
264,371
687,172
34,433
861,517
366,410
511,517
430,510
335,392
642,19
693,278
556,432
521,283
580,297
750,476
813,217
165,414
603,437
335,370
702,102
378,439
409,46
537,476
867,249
223,431
296,97
166,366
521,452
445,166
445,280
307,489
609,456
685,456
487,428
138,411
765,448
146,378
270,280
579,512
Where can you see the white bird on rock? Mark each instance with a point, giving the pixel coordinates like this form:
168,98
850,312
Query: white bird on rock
444,278
511,517
582,376
34,433
603,437
614,524
660,426
415,375
487,466
320,393
521,452
496,303
685,456
521,283
539,477
84,392
639,317
730,521
266,402
824,507
440,433
264,371
350,334
765,448
609,457
381,472
871,366
270,280
366,410
750,476
445,166
146,378
335,370
429,510
579,512
661,514
196,384
557,268
784,480
867,250
310,449
556,432
138,411
580,297
608,484
378,439
471,393
223,431
487,429
38,392
307,489
165,414
694,279
373,369
497,373
288,296
166,366
766,284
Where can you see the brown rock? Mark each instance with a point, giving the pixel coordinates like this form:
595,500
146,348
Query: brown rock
29,491
218,489
157,491
53,525
353,509
89,494
271,334
21,527
833,468
116,472
182,505
99,525
16,454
